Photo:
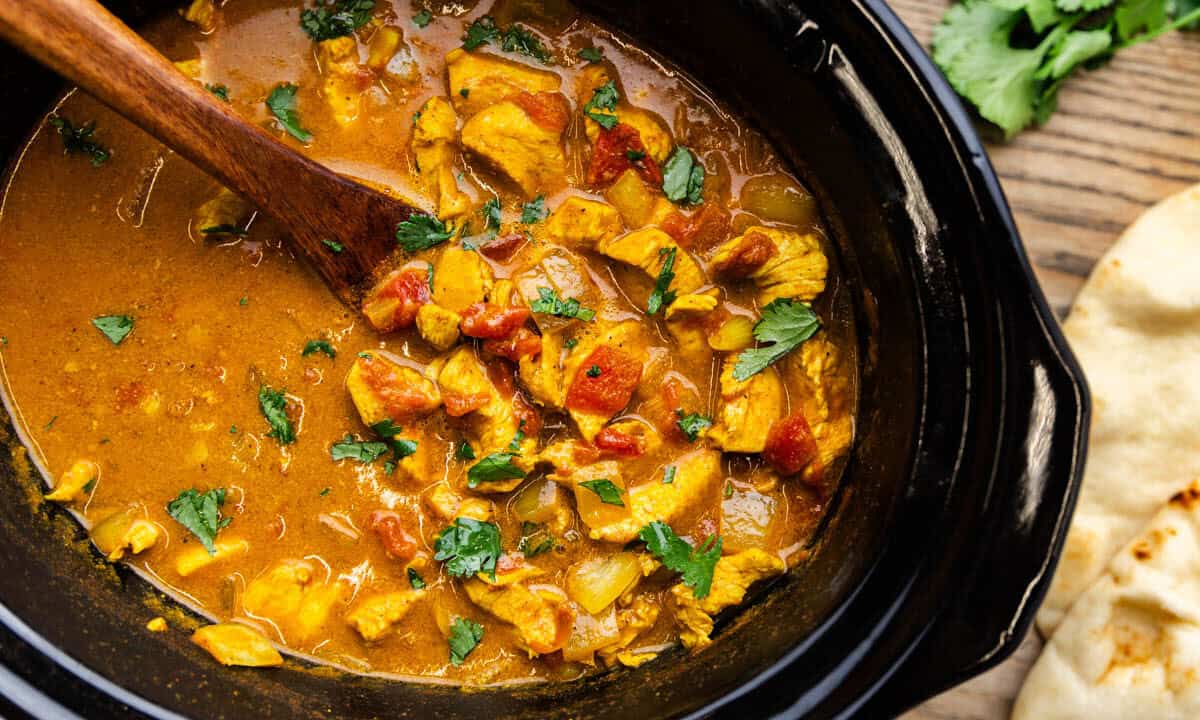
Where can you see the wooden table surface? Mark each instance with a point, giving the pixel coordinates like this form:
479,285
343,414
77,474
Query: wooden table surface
1125,136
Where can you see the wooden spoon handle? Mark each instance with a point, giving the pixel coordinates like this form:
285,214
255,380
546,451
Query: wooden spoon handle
87,44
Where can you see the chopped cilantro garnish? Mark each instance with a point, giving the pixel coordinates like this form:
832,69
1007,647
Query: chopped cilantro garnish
386,428
728,489
549,303
219,90
534,211
465,92
662,295
635,155
468,547
480,32
114,327
318,346
423,18
243,301
282,104
594,371
415,579
669,475
464,637
329,20
50,424
80,140
494,468
464,451
325,491
491,214
604,488
201,514
273,405
421,232
224,229
571,343
364,452
520,40
89,486
786,324
695,564
333,245
692,424
591,54
604,97
683,177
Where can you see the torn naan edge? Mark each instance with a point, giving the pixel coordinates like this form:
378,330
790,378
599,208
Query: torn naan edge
1136,331
1130,645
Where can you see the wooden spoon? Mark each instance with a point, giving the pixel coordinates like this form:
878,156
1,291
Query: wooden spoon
87,44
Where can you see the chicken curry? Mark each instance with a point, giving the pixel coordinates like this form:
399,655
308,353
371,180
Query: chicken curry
605,389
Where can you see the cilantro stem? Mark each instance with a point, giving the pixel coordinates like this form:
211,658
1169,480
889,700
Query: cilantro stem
1193,16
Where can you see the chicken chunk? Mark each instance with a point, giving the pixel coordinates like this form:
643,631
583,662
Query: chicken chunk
638,203
655,133
461,279
395,300
647,248
686,319
278,592
438,326
733,575
192,68
384,390
615,356
236,644
343,80
633,621
782,263
73,483
434,150
579,223
315,607
697,481
541,375
543,620
124,531
487,80
375,616
224,214
748,408
448,505
388,53
512,140
824,397
564,272
197,557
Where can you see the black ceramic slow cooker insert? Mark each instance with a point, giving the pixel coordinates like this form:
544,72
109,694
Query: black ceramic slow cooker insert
970,432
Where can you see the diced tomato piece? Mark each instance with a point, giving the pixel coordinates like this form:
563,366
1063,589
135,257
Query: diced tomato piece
458,405
394,303
548,110
703,229
396,541
790,444
670,395
503,373
395,389
610,157
605,381
750,254
618,443
491,321
584,454
501,249
522,343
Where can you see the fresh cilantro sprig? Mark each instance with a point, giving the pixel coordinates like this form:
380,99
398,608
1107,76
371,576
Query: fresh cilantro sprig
535,539
421,232
534,211
329,20
480,32
1010,57
423,18
691,425
351,449
318,346
201,514
786,324
273,404
465,636
606,490
695,564
520,40
683,178
495,467
491,215
468,547
282,104
662,295
549,303
604,98
80,139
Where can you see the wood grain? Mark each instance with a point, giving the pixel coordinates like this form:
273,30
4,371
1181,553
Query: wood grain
87,44
1126,136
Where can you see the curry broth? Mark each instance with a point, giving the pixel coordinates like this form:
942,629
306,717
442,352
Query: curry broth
175,405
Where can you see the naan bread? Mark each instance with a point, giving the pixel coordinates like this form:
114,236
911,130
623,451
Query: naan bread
1136,330
1130,645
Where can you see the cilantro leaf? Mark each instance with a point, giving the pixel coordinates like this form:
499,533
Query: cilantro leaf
415,580
549,303
691,425
224,229
520,40
786,324
1071,6
491,214
464,637
535,540
1133,16
282,104
423,18
481,32
201,514
334,246
669,475
386,428
604,488
364,452
329,20
219,90
114,327
318,346
604,98
464,451
534,211
494,468
1075,48
273,405
695,564
662,295
421,232
683,178
591,55
468,547
80,140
